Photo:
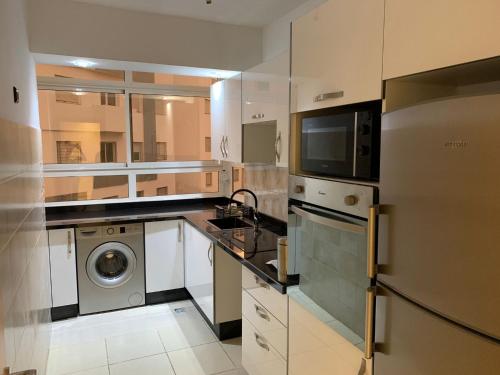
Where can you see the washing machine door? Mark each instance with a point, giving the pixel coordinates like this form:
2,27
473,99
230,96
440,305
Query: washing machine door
111,264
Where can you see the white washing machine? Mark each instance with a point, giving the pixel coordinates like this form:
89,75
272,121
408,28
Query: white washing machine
110,264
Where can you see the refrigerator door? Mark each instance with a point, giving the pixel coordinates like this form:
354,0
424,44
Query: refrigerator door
412,341
439,227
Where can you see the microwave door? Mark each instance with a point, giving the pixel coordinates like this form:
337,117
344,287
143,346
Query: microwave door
327,144
331,259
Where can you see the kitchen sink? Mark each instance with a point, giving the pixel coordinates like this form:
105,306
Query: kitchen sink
229,223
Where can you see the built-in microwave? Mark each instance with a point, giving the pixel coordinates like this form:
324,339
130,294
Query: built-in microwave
339,142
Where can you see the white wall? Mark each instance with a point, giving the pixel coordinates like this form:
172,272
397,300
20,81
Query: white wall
276,36
64,27
24,261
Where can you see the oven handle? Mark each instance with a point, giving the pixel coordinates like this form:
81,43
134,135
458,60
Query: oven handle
332,223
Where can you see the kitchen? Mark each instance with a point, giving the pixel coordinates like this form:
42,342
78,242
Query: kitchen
297,187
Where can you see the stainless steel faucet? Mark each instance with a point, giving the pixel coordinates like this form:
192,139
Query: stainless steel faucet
255,211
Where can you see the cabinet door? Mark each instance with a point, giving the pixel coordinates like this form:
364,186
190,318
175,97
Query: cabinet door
218,124
337,54
232,115
426,35
199,255
63,267
164,255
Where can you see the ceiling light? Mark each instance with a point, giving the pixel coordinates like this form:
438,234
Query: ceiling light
83,63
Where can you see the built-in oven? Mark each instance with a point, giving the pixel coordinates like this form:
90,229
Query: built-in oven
340,142
331,234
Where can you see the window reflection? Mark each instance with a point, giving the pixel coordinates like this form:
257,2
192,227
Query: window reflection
169,128
152,185
63,189
82,127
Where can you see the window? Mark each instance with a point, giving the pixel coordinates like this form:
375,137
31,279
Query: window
172,79
162,190
76,133
140,193
208,179
108,152
153,185
108,99
207,106
80,188
137,151
47,70
161,151
177,120
68,97
208,144
69,152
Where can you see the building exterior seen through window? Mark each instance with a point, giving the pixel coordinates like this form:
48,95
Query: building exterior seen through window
91,127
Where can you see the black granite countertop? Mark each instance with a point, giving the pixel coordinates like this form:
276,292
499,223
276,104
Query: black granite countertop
253,248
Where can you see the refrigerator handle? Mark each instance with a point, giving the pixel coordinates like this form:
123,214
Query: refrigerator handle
369,320
371,271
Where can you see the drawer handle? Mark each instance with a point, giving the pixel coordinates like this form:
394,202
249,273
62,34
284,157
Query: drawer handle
69,243
261,342
179,232
208,254
328,95
261,283
262,313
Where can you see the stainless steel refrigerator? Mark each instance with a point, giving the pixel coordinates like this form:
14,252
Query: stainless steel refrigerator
438,289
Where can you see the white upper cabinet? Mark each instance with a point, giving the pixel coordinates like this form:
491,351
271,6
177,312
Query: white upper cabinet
63,267
225,108
164,255
265,97
337,54
426,35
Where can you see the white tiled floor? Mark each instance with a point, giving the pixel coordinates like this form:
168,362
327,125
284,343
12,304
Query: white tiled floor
167,339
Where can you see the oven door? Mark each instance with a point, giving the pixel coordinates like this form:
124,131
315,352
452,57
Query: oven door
327,144
334,297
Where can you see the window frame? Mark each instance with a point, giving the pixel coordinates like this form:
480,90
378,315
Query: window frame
130,168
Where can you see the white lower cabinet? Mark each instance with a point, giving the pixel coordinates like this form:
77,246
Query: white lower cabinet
264,322
258,357
315,348
164,255
199,270
63,267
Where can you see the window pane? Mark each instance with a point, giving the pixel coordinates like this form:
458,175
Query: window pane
82,127
172,79
60,189
152,185
47,70
169,128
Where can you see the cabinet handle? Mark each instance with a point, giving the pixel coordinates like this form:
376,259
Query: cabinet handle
258,116
372,235
277,147
226,146
208,254
261,283
179,232
221,147
261,313
69,243
328,95
370,304
260,341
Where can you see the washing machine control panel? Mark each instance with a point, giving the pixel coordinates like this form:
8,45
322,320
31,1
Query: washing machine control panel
121,229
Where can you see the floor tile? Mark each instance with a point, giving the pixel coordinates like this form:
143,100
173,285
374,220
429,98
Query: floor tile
201,360
154,365
185,330
233,349
132,346
95,371
76,358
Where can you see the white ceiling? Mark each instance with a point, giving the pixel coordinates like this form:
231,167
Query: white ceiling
256,13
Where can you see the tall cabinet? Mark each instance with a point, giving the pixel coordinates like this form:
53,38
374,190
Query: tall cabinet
265,97
337,55
225,108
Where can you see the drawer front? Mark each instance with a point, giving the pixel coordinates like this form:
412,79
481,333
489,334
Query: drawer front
265,322
258,357
275,302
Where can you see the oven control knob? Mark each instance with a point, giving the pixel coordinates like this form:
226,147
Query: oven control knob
350,200
110,230
299,189
363,150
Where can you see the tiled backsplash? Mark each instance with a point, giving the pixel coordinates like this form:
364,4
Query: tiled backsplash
270,184
25,298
